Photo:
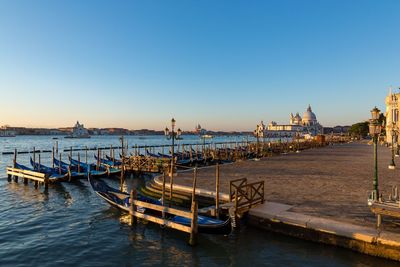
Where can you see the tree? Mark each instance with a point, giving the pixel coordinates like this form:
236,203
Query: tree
360,129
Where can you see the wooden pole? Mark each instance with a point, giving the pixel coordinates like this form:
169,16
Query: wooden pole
46,181
52,157
122,178
132,206
14,165
79,162
171,181
59,165
194,184
163,194
193,224
98,159
39,163
113,156
56,147
69,173
34,155
86,150
217,191
15,158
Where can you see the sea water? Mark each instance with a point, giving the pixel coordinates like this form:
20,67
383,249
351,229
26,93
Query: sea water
70,226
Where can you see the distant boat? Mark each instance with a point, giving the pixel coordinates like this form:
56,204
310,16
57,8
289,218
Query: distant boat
79,131
207,136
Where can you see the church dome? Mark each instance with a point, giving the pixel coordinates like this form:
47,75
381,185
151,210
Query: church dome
309,116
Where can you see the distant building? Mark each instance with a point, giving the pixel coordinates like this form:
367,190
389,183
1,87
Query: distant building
198,130
5,131
79,131
392,115
306,125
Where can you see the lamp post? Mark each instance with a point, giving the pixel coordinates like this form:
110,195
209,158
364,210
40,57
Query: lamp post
374,131
298,140
392,165
397,153
259,132
172,135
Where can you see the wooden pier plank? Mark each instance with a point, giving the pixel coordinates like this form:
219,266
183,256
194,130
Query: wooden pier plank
165,209
164,222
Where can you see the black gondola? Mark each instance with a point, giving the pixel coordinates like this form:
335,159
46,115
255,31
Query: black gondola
120,200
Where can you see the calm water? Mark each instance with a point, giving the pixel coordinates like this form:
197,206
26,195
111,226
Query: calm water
70,226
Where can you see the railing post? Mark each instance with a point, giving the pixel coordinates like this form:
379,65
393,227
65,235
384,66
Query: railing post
193,224
236,199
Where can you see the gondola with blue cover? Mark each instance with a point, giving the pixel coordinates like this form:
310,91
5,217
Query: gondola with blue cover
58,169
52,175
109,165
120,200
89,168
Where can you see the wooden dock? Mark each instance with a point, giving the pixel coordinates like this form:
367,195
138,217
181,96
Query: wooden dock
36,177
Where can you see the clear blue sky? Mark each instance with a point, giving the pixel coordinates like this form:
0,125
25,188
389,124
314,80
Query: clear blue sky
223,64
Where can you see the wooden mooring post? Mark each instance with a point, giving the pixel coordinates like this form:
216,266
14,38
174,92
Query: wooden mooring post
132,209
163,194
194,224
194,184
217,191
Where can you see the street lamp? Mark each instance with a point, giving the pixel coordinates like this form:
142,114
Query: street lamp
259,132
172,135
392,165
298,140
374,131
397,151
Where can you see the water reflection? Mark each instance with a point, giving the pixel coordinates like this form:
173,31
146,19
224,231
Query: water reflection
61,191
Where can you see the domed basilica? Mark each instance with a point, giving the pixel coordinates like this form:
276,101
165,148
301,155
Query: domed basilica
306,125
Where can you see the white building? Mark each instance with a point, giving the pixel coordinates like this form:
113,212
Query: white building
306,125
79,131
392,115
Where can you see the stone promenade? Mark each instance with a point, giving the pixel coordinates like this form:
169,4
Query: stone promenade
331,182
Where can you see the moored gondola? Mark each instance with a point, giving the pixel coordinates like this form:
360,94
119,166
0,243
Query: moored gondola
120,200
58,169
89,168
52,175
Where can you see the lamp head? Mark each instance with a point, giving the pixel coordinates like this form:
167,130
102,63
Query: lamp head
179,132
173,122
166,131
375,113
374,127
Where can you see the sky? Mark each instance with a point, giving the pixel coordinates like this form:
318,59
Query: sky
223,64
